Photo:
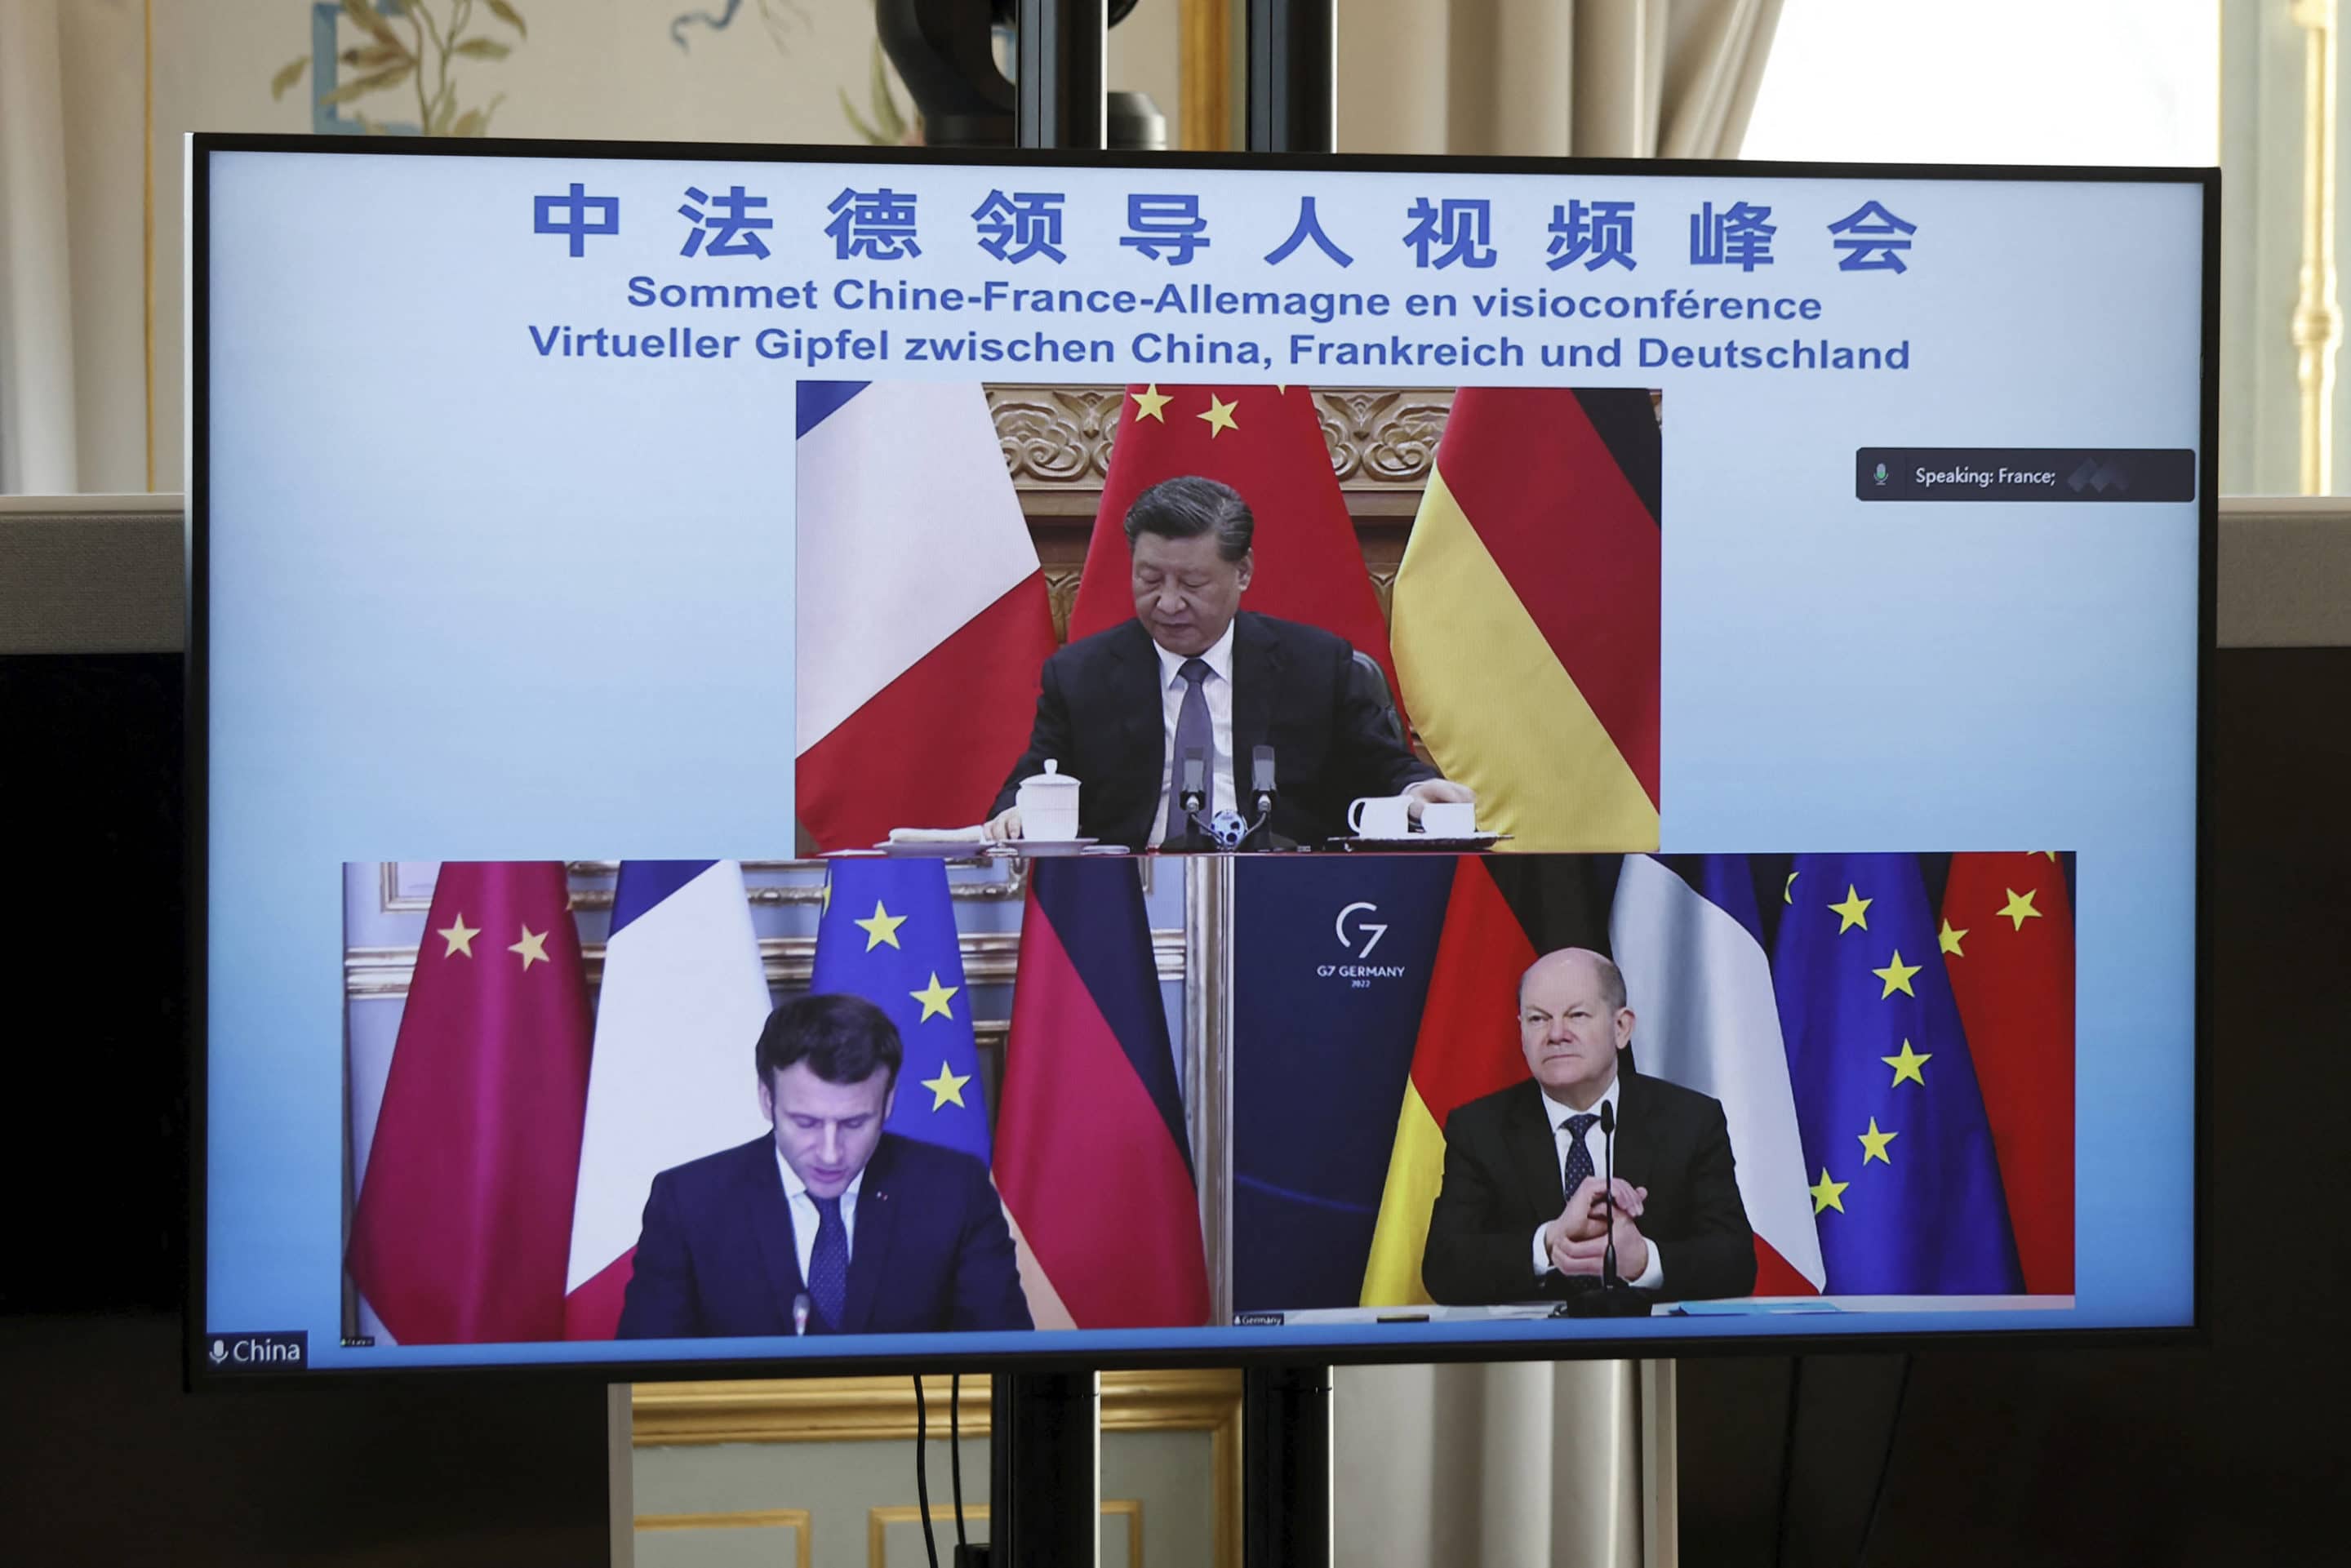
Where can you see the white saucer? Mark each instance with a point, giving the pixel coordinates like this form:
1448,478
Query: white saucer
1464,843
1019,848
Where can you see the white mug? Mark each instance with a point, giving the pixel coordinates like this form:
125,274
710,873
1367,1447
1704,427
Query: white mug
1449,819
1380,817
1049,805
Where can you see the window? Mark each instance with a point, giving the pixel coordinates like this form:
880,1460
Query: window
1992,81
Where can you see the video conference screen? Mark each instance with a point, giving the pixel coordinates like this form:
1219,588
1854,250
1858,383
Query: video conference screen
815,760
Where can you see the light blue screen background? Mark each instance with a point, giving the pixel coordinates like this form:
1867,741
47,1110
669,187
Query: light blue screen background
469,601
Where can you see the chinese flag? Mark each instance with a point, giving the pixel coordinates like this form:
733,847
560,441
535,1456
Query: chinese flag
462,1229
2008,946
1266,442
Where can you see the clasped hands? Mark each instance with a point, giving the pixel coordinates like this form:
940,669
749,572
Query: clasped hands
1578,1237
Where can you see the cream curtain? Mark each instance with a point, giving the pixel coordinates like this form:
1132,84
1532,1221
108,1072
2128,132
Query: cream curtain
1494,1467
1596,78
37,451
1519,1464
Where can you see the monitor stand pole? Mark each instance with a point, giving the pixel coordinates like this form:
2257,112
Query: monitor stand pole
1045,1456
1286,1478
1286,1467
1044,1472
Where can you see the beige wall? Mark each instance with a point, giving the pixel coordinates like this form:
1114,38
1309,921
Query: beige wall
1143,57
601,69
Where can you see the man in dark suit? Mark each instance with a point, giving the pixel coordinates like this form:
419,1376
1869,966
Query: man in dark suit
830,1225
1521,1215
1117,710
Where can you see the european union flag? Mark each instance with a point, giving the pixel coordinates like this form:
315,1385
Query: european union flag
889,935
1907,1192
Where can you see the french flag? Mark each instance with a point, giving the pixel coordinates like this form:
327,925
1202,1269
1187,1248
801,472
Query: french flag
1686,931
922,620
1092,1157
673,1076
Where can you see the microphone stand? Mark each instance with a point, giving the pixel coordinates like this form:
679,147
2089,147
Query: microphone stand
1260,834
1614,1298
1200,831
1189,799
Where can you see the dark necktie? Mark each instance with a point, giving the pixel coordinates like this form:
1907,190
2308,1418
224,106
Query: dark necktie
1193,732
1579,1158
828,1279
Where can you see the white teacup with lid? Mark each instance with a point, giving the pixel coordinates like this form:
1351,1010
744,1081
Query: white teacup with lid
1049,805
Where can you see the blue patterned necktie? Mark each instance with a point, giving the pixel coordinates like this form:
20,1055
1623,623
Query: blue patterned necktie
1193,732
1579,1158
828,1279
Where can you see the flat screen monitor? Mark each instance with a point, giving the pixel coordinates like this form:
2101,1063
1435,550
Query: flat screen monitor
813,760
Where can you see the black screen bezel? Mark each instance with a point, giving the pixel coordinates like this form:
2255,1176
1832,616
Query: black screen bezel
199,1374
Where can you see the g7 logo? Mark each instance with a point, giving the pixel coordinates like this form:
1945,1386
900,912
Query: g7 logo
1372,932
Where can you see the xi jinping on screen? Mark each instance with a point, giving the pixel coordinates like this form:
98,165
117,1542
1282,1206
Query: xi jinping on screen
1193,672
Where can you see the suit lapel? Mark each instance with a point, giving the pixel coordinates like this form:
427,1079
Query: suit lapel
1636,1130
1534,1151
1137,677
869,1248
1134,699
1257,671
772,1220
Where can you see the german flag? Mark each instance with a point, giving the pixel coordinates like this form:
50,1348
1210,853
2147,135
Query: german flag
1091,1155
1526,614
1500,917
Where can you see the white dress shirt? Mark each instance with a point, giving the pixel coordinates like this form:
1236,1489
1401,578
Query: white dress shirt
1218,690
1595,1144
805,1218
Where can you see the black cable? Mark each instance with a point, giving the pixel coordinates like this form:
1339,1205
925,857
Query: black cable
922,1474
1787,1460
955,1454
1885,1465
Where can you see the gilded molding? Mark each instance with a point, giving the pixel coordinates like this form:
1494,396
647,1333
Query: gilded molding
873,1409
879,1519
1009,888
2317,318
990,958
796,1519
1204,75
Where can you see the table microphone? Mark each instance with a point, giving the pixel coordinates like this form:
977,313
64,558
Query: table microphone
800,1312
1608,1279
1614,1299
1261,778
1193,796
